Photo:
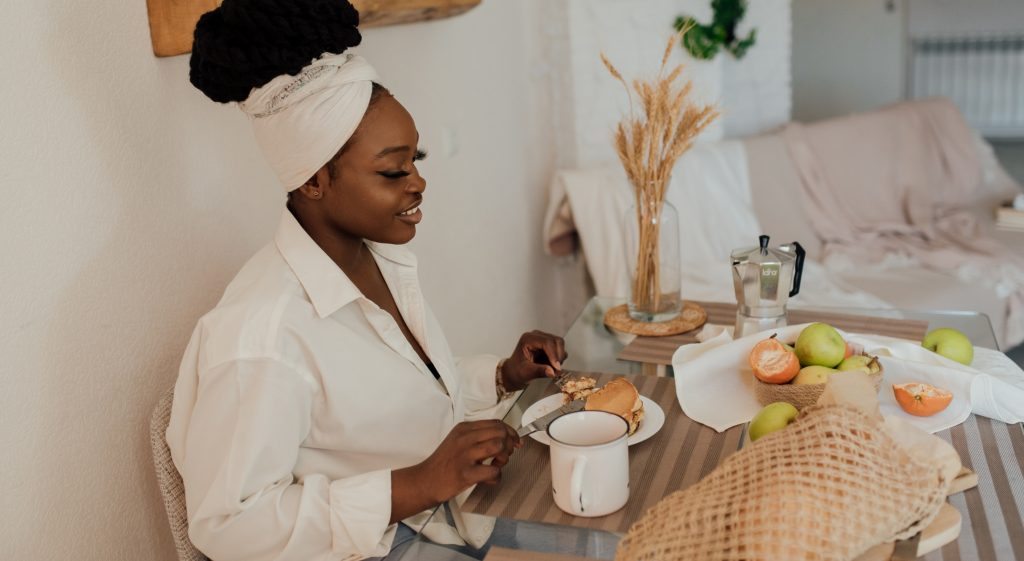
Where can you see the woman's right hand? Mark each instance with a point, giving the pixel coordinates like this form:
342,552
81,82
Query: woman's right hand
458,462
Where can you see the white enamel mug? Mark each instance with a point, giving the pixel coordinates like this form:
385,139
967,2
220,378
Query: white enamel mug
589,462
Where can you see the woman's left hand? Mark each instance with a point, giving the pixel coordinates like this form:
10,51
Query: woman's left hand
537,355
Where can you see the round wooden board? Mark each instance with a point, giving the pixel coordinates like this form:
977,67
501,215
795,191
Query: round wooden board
691,317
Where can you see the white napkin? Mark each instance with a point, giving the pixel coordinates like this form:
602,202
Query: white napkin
715,386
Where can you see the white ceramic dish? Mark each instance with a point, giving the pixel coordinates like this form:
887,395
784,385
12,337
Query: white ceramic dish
653,419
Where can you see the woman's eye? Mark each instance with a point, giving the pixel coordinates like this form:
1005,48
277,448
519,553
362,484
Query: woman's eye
397,174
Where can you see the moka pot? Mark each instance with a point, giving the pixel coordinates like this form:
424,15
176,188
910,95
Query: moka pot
765,278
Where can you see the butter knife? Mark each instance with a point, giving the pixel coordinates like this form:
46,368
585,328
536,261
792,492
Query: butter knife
541,423
564,376
561,375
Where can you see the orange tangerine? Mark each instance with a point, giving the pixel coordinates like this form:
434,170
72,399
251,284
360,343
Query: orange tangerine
920,399
774,362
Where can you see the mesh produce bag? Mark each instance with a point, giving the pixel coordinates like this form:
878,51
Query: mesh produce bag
830,486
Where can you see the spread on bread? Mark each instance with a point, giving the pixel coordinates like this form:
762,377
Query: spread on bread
577,387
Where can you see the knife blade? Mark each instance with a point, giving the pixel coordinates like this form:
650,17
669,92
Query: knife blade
541,423
564,376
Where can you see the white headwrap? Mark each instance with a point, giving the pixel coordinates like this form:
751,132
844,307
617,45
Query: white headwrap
301,121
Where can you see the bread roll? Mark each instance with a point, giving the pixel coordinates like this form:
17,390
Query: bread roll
620,397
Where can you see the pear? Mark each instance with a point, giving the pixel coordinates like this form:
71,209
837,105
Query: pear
864,363
813,375
774,416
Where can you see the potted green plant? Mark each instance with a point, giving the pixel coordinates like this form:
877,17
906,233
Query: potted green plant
704,41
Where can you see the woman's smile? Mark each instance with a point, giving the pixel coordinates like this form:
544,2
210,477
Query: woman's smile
412,215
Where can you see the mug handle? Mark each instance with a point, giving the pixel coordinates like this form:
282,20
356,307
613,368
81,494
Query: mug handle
576,482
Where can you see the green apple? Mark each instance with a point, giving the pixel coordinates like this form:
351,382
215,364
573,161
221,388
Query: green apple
821,345
774,416
864,363
813,375
949,343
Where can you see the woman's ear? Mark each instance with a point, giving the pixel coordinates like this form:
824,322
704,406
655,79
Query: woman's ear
314,187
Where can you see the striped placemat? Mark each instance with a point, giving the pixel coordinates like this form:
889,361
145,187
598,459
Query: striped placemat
679,455
502,554
659,350
993,512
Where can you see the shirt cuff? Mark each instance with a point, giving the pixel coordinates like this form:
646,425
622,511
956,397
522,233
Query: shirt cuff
361,514
477,385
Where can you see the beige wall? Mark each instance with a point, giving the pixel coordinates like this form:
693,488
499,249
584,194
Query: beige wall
847,56
129,201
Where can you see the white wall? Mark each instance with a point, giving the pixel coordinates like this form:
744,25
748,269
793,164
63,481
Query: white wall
130,201
851,56
753,93
757,89
847,56
632,35
928,17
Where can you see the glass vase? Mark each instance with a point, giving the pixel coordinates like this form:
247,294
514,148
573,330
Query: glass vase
652,253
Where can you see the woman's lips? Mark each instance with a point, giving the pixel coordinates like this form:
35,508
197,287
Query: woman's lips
413,218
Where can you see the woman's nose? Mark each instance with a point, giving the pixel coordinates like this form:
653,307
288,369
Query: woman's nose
417,183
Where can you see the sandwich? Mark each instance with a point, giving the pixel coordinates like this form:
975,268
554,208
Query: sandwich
618,396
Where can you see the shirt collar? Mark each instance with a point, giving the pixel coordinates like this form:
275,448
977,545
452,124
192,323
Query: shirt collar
397,254
326,285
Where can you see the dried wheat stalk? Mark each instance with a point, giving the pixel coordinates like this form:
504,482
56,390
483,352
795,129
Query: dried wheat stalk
648,146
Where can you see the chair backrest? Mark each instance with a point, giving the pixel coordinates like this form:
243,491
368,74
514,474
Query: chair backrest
171,487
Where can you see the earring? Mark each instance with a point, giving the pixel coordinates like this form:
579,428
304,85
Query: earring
316,194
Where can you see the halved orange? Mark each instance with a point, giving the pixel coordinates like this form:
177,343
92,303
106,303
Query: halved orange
774,362
920,399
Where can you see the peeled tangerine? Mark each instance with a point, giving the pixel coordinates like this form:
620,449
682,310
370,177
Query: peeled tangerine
774,362
921,399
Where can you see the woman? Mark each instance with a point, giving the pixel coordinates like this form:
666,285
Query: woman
318,409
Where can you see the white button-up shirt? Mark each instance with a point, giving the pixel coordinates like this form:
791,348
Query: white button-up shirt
296,398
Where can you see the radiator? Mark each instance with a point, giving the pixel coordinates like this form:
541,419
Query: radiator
982,74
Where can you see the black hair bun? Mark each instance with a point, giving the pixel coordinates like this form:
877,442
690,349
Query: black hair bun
244,44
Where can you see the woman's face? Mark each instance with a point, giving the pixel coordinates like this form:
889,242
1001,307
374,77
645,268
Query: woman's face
376,191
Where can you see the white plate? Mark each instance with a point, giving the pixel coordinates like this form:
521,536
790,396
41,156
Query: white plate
654,417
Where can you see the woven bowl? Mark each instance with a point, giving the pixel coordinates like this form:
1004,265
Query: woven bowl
803,395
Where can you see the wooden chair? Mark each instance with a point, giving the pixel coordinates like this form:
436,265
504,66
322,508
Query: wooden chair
171,487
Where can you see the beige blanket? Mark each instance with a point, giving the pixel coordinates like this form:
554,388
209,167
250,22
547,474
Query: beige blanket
894,186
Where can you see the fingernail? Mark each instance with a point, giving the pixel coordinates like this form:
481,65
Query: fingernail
558,365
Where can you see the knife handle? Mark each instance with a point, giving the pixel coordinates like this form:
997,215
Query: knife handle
526,430
540,357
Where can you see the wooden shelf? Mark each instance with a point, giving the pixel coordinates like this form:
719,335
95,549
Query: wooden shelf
171,22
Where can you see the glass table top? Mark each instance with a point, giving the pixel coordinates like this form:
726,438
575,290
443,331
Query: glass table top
592,347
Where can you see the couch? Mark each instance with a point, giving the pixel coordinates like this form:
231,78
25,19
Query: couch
728,192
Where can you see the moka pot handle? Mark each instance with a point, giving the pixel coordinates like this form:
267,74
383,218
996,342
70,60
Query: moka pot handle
799,272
